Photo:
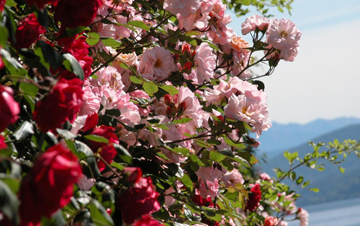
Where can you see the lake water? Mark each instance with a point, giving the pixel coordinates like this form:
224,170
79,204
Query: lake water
339,213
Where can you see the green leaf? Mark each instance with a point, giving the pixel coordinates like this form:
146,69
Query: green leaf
4,36
111,42
150,88
342,170
182,121
71,64
11,64
190,33
85,153
187,182
216,156
10,3
196,160
170,89
316,190
123,153
246,2
135,80
29,88
98,214
9,203
97,138
139,24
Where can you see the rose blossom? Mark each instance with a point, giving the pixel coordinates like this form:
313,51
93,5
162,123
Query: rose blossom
156,64
304,217
184,7
49,185
205,62
61,104
231,179
250,108
2,143
72,14
255,22
2,6
254,198
28,31
138,200
147,220
284,36
9,108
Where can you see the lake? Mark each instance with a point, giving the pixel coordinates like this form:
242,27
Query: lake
339,213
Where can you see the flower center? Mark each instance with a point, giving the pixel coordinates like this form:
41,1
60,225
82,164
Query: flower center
284,34
158,63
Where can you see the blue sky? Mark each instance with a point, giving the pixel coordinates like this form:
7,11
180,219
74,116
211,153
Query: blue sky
324,80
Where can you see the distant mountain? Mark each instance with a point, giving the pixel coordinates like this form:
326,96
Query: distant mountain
281,137
332,183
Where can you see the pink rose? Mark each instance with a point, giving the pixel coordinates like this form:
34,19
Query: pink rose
184,7
156,64
9,108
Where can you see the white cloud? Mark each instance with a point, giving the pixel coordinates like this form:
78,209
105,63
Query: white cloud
323,81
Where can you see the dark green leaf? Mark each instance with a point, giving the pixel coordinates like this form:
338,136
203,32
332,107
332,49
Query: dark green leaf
24,131
71,64
9,203
98,214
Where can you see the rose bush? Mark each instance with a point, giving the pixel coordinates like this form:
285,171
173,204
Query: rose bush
140,113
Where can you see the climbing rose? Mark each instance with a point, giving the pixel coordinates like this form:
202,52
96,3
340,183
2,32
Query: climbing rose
254,198
49,185
61,104
28,31
2,143
138,200
72,13
9,108
147,220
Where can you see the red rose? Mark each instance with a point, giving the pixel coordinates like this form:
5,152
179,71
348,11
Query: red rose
103,131
147,220
78,47
108,153
9,108
2,5
61,104
40,3
2,143
133,174
138,200
72,13
49,185
254,198
28,31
